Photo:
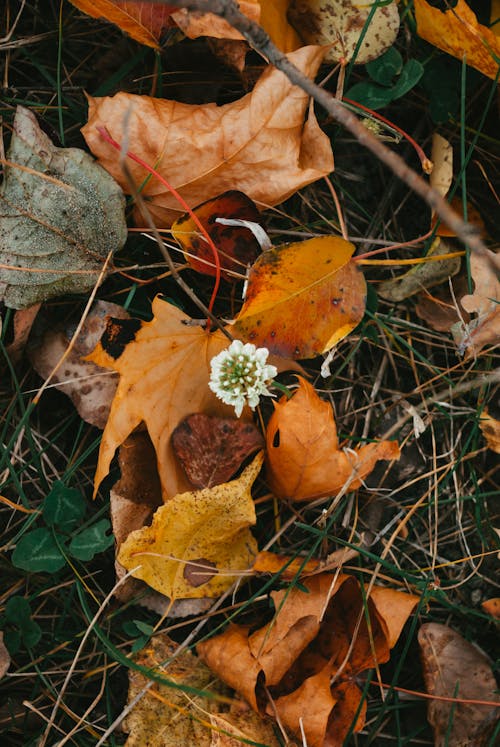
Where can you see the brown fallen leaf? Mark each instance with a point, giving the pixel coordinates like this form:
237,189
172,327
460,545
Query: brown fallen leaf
212,449
199,543
490,428
164,368
454,668
457,32
492,607
319,635
440,310
23,322
259,145
290,567
90,387
4,657
314,281
197,711
304,461
484,329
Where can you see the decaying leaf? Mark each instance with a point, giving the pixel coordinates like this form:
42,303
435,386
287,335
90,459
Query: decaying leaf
340,24
454,668
212,449
259,144
143,21
4,657
319,635
304,461
176,717
164,368
440,309
424,275
199,543
490,428
23,322
90,387
484,329
61,216
313,281
457,32
236,245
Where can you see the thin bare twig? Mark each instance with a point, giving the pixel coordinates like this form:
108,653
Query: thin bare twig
259,40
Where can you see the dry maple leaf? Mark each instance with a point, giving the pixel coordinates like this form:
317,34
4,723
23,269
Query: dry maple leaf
313,281
304,461
455,668
319,635
484,329
259,144
457,32
199,542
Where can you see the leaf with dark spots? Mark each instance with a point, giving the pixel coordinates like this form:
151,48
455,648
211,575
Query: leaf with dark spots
237,247
211,449
118,334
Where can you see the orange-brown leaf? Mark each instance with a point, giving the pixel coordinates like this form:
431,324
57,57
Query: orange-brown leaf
304,461
302,298
492,607
143,21
457,32
490,428
259,144
236,246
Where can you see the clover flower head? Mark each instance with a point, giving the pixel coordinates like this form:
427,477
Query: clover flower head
240,375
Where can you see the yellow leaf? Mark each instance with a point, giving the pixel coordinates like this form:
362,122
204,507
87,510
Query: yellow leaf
273,19
259,145
457,32
199,542
302,298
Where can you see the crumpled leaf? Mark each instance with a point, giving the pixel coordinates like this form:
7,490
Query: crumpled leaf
172,717
61,216
454,668
259,144
424,275
236,245
133,501
212,449
90,388
490,428
314,281
313,639
164,368
457,32
198,542
143,21
304,461
484,329
341,22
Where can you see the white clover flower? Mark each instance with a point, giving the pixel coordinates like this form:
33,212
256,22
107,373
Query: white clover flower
240,375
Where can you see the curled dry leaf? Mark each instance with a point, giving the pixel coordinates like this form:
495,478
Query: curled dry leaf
212,449
199,543
313,281
61,216
454,668
304,461
490,428
340,24
195,711
457,32
236,245
164,368
318,635
259,144
90,387
484,329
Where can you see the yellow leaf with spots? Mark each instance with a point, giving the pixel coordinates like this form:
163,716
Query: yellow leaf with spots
199,542
457,32
302,298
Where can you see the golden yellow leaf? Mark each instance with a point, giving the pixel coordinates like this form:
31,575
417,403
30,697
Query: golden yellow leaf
304,461
264,144
457,32
273,19
313,281
199,542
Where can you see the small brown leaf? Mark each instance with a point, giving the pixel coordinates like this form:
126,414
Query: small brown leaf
490,428
211,449
454,668
492,607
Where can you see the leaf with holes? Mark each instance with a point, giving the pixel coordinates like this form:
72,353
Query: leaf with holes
302,298
199,542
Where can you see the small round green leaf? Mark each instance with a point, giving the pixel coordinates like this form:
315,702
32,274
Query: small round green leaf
64,507
91,541
38,551
386,67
